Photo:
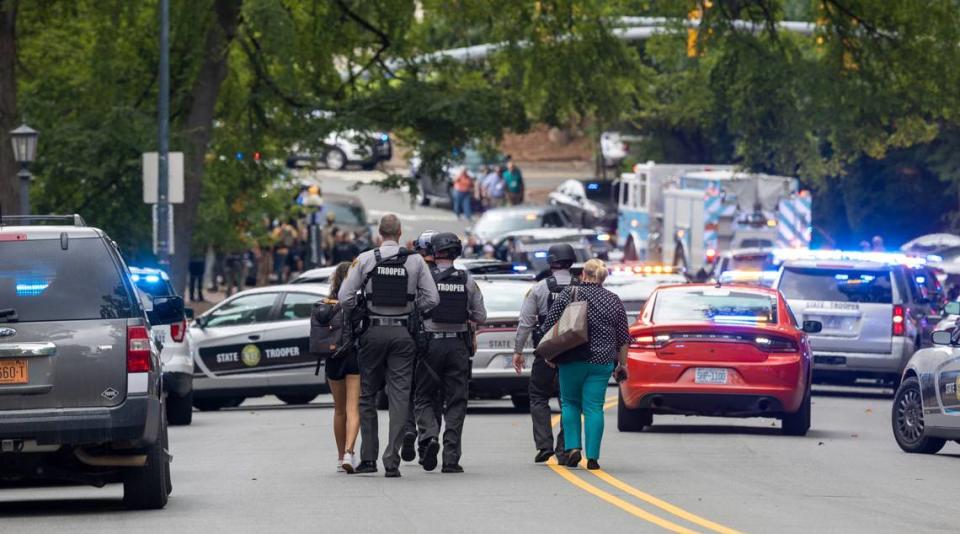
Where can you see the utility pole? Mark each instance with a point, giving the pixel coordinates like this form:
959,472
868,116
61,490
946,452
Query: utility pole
163,111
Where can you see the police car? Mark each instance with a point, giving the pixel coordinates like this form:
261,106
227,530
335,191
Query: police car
256,343
523,245
926,407
177,365
635,282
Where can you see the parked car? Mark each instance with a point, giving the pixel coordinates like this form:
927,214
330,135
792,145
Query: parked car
80,377
589,203
347,147
496,223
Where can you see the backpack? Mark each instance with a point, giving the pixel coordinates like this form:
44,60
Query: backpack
330,331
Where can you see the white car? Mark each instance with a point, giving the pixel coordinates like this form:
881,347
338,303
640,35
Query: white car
613,148
346,147
256,343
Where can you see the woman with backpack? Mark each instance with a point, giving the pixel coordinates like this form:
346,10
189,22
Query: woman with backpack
330,337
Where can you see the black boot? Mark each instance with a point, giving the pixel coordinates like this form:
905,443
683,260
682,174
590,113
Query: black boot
430,451
366,467
543,455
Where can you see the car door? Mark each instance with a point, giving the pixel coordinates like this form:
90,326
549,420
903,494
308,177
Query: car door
948,392
226,338
286,348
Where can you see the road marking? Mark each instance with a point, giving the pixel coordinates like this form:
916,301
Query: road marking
634,492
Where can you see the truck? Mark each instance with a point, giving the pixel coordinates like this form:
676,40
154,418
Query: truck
686,215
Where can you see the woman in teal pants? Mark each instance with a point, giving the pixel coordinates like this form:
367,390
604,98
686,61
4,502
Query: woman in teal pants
585,371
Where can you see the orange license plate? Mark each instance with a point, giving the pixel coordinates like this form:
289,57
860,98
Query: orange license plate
13,372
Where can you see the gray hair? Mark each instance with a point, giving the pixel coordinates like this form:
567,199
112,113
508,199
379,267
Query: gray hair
390,226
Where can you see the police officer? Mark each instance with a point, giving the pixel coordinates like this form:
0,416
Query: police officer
446,364
393,284
543,377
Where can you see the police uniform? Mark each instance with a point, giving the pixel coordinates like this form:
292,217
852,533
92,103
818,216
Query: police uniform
543,378
386,353
445,366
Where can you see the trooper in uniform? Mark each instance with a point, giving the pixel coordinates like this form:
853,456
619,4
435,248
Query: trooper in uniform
543,377
445,366
393,284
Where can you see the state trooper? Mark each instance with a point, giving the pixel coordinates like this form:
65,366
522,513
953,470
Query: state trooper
393,285
445,366
543,377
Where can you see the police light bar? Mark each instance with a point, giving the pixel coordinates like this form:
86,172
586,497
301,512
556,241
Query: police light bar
890,258
644,269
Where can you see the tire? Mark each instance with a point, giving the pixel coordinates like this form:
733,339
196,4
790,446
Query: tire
212,405
368,166
798,423
906,417
180,409
521,403
148,487
383,402
335,159
296,400
632,419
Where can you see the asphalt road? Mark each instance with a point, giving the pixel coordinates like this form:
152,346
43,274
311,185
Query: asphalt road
265,467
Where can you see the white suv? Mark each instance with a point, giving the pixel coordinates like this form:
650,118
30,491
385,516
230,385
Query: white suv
346,147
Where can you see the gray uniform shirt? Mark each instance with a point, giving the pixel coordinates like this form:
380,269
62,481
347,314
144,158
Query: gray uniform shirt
419,282
476,311
535,304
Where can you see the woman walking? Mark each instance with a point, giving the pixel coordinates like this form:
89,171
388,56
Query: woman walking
585,371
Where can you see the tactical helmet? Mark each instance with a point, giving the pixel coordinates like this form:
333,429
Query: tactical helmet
423,244
447,242
561,253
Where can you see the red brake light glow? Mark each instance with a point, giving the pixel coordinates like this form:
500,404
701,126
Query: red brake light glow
898,317
138,349
177,330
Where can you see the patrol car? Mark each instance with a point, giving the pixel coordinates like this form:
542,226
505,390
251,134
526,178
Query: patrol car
256,343
634,283
926,407
177,365
520,245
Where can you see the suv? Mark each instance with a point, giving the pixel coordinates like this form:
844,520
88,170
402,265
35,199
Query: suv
177,365
346,147
872,320
80,393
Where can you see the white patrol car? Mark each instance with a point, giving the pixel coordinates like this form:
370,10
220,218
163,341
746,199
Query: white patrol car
635,282
177,366
256,343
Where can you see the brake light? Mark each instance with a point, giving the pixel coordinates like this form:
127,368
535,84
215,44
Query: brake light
138,349
898,320
711,255
775,344
649,342
177,330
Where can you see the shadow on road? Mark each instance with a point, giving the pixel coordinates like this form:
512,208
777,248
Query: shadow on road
56,507
853,393
735,429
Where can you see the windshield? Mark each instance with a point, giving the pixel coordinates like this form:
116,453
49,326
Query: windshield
42,282
345,213
503,298
714,305
500,222
837,285
603,192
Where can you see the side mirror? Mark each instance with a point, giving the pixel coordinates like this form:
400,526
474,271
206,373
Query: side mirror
943,337
952,308
167,310
812,327
188,313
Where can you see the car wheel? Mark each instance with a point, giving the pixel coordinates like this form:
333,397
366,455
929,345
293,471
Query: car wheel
368,166
521,403
180,409
296,399
383,402
797,424
148,487
632,419
335,159
907,420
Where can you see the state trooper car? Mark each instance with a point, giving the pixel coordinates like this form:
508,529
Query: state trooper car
926,407
256,343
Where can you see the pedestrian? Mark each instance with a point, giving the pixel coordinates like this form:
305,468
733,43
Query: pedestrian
343,375
446,363
346,249
543,378
264,264
233,272
196,269
328,234
285,235
877,245
394,285
463,194
513,181
585,371
492,187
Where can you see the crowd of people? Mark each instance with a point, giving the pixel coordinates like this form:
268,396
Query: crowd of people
495,187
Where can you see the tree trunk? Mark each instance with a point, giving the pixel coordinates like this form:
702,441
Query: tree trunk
199,125
9,183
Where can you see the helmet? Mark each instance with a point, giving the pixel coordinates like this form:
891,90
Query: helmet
447,242
422,245
561,253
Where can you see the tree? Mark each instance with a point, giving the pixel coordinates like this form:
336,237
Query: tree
9,183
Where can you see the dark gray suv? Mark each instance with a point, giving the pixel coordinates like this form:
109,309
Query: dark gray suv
80,391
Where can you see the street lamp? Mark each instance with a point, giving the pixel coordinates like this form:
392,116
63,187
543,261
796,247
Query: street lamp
24,141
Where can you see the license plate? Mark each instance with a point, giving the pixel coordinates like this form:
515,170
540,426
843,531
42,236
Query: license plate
833,322
709,375
13,372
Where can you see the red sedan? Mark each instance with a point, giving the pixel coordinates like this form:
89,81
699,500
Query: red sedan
730,351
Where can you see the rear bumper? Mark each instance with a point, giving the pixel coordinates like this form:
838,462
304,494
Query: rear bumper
136,421
863,362
486,386
717,404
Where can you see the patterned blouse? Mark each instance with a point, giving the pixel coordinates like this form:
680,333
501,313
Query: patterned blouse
606,321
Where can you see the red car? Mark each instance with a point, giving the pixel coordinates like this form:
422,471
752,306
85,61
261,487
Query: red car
731,351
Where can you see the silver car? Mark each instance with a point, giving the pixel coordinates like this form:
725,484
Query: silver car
256,343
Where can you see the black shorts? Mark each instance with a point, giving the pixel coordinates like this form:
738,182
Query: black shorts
339,368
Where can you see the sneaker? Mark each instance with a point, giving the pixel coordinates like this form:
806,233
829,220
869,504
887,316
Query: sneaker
346,464
339,465
392,473
543,455
430,451
366,467
573,459
451,468
407,451
593,465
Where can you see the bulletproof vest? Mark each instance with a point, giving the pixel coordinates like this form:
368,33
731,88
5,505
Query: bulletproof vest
389,281
452,286
555,288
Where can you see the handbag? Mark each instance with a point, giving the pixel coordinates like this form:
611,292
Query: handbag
570,331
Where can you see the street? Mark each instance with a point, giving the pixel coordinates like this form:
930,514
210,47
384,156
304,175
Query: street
268,467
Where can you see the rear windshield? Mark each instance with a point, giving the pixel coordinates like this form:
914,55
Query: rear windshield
715,305
43,282
750,262
503,298
603,192
153,285
837,285
346,214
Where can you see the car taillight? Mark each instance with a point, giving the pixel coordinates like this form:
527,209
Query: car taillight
775,344
898,319
138,349
177,330
649,342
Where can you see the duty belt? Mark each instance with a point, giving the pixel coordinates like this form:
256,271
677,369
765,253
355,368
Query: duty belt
446,335
387,321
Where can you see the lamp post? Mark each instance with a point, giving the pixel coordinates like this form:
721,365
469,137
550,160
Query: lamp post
24,141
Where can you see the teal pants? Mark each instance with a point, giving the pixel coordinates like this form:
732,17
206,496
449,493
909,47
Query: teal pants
583,389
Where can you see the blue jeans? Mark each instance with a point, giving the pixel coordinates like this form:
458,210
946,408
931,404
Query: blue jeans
463,204
583,389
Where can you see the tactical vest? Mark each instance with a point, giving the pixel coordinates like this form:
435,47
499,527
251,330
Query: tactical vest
555,288
389,281
454,299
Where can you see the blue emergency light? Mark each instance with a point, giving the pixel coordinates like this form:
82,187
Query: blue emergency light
31,288
540,254
593,187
